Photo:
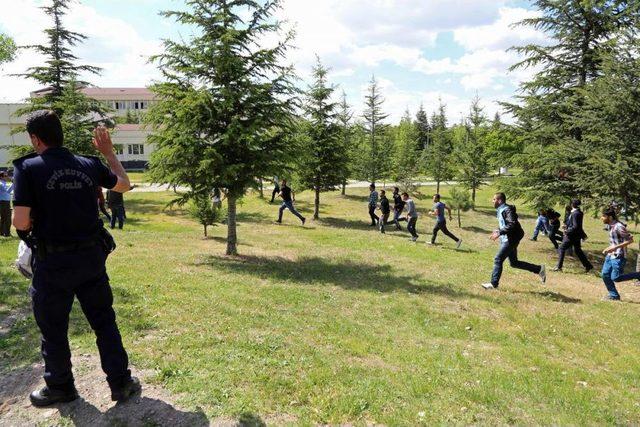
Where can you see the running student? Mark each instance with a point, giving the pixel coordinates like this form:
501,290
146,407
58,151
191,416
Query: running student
412,216
510,235
553,232
384,209
398,207
373,203
616,253
441,221
573,236
542,224
288,197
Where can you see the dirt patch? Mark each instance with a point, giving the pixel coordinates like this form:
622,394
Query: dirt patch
94,408
12,318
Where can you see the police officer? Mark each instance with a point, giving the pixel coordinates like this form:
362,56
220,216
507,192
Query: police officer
55,203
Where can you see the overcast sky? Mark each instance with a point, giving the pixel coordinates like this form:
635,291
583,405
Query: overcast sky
419,50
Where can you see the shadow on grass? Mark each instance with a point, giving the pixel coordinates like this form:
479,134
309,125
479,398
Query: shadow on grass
347,223
347,274
557,297
475,229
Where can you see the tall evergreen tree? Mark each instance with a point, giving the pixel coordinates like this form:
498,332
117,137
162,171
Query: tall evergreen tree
225,107
406,152
581,32
471,152
347,138
7,49
323,159
377,137
437,158
423,128
62,88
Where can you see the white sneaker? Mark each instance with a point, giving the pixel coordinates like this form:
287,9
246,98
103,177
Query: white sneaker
413,239
459,244
428,242
543,274
488,286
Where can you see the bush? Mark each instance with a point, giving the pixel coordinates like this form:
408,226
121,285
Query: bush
203,210
460,201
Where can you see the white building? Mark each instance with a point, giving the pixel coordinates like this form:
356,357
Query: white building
130,140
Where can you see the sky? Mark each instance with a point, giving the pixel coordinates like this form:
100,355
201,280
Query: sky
420,51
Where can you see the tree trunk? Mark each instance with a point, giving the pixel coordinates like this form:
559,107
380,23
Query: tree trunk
344,188
232,237
473,198
205,230
316,211
438,186
261,189
459,222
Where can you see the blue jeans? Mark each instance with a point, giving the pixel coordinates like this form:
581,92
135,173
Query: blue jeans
510,250
288,205
541,226
630,276
611,272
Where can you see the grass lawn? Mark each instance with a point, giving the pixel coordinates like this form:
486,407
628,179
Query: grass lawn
335,323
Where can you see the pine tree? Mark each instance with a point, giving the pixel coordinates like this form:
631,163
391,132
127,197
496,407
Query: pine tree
471,152
406,153
7,49
224,110
581,32
377,137
423,128
437,158
323,159
346,137
59,77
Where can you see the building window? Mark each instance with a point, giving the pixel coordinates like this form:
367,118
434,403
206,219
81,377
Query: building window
136,149
118,148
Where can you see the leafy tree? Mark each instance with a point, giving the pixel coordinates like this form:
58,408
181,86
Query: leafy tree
460,201
423,128
406,161
437,158
323,159
581,32
59,77
471,152
377,143
502,144
202,210
347,138
224,110
610,121
7,49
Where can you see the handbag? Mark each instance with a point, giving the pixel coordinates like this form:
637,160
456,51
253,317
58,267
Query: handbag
23,262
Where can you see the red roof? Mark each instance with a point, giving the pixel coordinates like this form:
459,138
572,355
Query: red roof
96,91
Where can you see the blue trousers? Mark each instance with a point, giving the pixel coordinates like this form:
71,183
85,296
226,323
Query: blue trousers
509,250
288,205
541,226
59,278
611,272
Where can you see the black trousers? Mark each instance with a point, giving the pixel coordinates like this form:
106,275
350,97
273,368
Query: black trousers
372,214
274,193
553,235
5,218
58,279
411,227
442,226
576,244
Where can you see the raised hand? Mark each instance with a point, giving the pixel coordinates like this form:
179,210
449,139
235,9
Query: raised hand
102,140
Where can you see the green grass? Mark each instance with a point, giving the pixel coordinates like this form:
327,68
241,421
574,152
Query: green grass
335,323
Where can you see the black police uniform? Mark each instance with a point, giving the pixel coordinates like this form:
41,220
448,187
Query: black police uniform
69,259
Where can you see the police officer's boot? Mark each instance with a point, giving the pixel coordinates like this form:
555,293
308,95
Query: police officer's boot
48,396
131,387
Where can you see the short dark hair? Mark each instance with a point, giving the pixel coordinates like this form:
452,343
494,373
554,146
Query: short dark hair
46,125
382,192
502,197
405,194
372,185
610,211
396,189
437,196
575,203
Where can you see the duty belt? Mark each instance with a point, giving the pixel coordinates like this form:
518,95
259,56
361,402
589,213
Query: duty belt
51,248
